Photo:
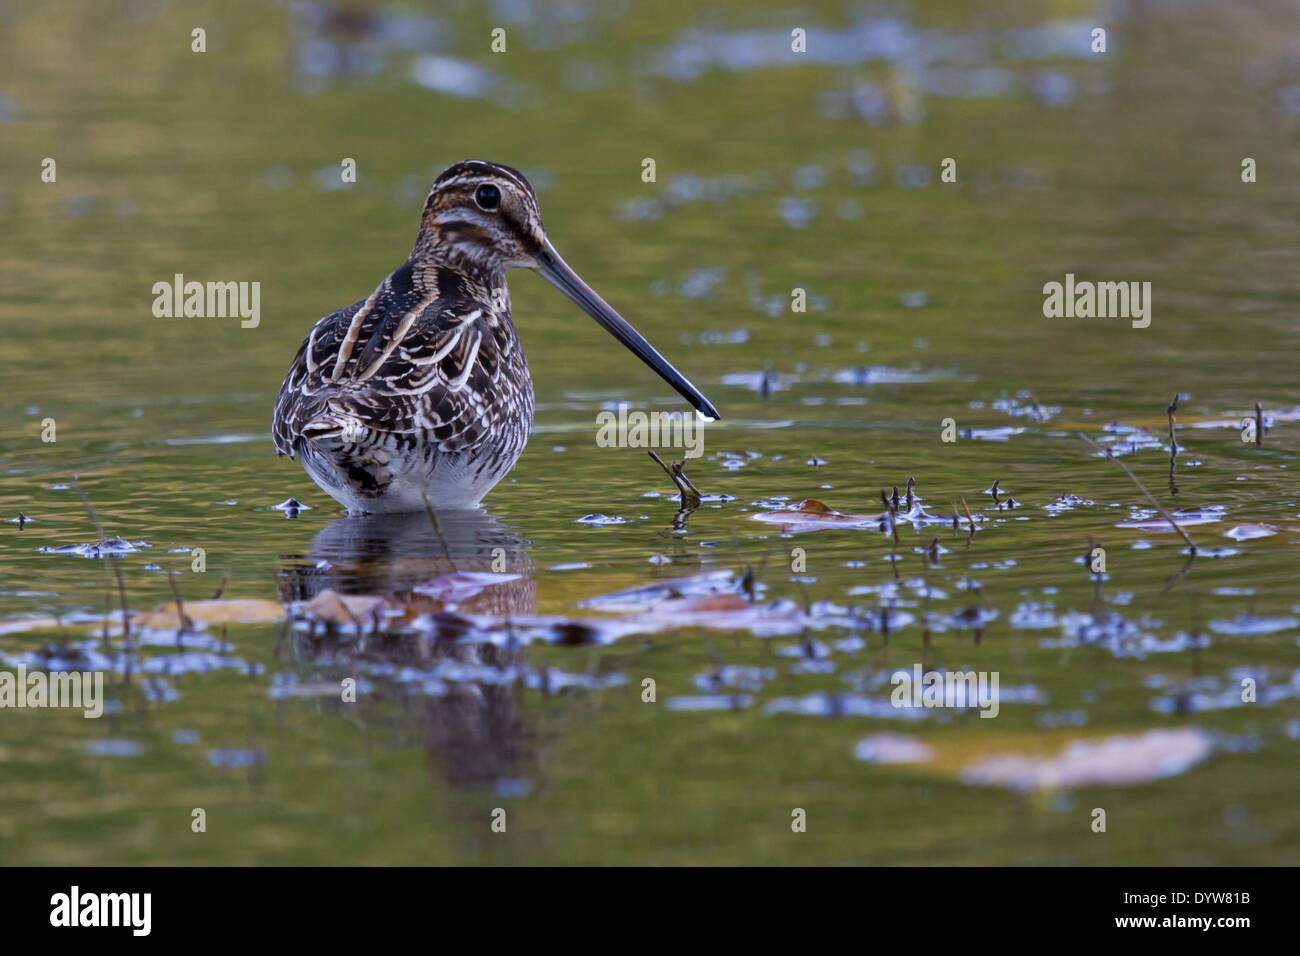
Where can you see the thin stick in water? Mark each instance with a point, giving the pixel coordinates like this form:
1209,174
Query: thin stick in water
1132,477
1173,444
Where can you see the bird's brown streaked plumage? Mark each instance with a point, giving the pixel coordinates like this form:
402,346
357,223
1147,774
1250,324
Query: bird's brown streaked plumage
421,390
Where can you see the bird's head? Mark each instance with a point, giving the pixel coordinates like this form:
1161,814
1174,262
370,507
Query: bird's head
481,219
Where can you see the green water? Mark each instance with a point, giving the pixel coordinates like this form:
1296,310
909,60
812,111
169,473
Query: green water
1122,166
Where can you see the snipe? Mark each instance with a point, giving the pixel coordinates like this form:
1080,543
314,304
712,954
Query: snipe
421,392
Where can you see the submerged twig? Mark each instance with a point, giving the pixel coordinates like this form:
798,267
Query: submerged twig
1259,425
690,495
891,510
112,559
749,584
180,607
1178,575
437,529
970,535
1132,477
1173,444
969,517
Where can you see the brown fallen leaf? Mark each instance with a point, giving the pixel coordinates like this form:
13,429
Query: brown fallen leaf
337,608
453,590
641,596
20,624
720,612
219,611
813,515
1117,761
1044,761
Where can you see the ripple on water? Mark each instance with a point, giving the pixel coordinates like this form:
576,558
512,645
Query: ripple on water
109,547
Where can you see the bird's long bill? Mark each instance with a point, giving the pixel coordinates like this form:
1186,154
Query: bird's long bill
557,272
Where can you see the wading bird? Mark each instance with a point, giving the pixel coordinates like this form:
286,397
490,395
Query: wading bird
420,395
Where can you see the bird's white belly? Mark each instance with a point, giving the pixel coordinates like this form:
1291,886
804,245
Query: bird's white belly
408,482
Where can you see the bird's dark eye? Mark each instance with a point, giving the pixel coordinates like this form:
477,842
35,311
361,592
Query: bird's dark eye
489,197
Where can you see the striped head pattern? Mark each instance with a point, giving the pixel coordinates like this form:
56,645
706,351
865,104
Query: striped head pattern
481,218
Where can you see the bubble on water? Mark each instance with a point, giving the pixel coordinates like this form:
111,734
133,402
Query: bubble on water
811,176
893,748
78,207
597,520
641,209
702,283
277,178
1054,88
823,704
113,748
1067,718
797,213
456,77
709,702
1288,100
912,175
732,675
513,787
235,759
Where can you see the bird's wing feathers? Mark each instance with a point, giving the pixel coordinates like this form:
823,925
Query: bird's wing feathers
405,361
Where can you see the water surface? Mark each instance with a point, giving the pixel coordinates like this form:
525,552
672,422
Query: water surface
774,171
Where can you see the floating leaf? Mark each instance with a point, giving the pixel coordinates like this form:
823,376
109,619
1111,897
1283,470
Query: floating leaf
453,589
1117,761
346,609
647,595
18,625
219,611
813,515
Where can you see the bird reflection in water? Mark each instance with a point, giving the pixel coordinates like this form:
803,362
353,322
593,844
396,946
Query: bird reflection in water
458,689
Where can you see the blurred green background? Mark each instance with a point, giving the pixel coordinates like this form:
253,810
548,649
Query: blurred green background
774,171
